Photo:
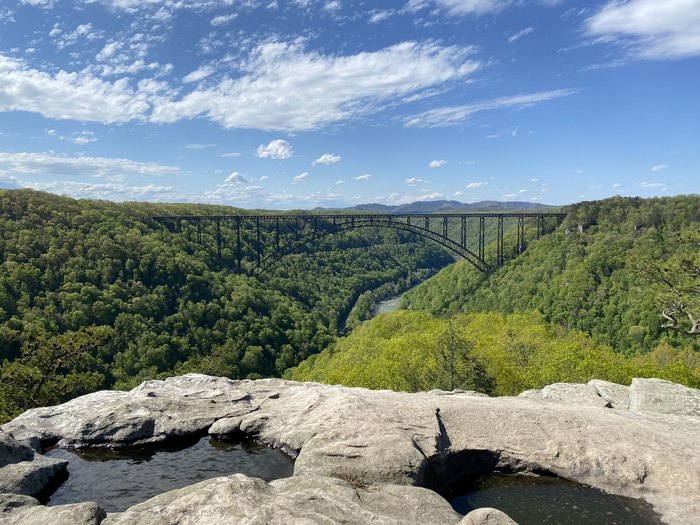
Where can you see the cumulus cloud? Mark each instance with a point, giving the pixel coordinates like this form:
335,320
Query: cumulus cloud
276,149
340,181
108,191
652,29
437,163
413,181
476,185
236,178
283,87
659,167
326,158
63,95
472,7
366,176
47,164
302,177
454,115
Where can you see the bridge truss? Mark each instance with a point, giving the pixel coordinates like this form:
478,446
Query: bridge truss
278,235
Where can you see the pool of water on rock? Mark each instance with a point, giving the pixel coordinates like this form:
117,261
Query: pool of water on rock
118,478
540,500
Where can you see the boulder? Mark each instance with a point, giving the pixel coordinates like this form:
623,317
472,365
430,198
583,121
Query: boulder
617,395
570,393
663,397
24,471
300,499
23,510
487,516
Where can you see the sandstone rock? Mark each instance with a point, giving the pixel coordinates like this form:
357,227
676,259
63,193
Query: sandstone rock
296,500
617,395
571,393
663,397
22,471
15,511
382,437
487,516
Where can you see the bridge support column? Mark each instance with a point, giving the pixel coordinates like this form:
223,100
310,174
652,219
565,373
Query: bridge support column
499,250
444,227
199,231
277,234
463,233
218,236
540,226
239,255
521,234
257,244
482,240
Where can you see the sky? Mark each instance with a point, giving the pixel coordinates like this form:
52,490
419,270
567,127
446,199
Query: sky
307,103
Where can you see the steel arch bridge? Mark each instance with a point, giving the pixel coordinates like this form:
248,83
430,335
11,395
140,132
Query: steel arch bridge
276,236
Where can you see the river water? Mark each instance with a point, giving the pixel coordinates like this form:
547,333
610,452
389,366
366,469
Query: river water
118,479
387,305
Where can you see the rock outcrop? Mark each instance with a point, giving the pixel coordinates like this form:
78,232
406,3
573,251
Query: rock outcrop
362,452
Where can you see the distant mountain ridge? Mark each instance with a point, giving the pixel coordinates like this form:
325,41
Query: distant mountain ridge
445,205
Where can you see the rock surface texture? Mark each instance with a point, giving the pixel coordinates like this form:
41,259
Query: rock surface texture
363,455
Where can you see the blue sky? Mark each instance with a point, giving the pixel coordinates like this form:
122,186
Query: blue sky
311,103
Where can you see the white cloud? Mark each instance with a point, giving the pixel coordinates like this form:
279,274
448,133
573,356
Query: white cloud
652,29
327,158
413,181
378,16
198,74
534,179
450,116
62,95
83,137
617,185
366,176
523,32
229,155
46,164
476,185
222,19
284,88
333,5
108,191
302,177
659,167
458,193
263,178
276,149
476,7
437,163
340,181
650,184
509,196
522,191
236,178
200,146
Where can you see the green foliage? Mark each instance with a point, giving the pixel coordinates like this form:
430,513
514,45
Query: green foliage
171,305
489,352
586,281
54,369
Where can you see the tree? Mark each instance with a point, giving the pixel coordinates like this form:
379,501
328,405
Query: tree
678,283
457,367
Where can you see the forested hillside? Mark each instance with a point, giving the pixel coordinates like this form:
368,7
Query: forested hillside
607,281
488,352
96,294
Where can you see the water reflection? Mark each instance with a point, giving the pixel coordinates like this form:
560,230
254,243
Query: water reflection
120,478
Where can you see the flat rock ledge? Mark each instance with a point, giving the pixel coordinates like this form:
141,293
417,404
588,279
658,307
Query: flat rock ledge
368,456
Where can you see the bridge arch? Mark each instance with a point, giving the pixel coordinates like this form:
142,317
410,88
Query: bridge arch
272,259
